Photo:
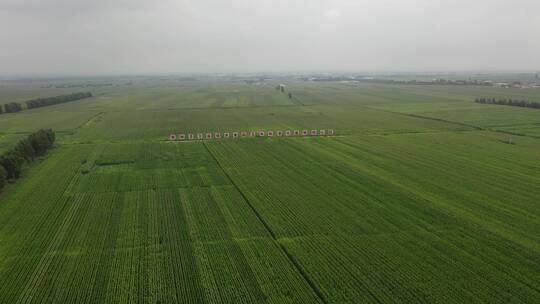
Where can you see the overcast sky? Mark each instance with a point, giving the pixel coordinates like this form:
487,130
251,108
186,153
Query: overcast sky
183,36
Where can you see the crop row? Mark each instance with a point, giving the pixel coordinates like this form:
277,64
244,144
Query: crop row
374,218
101,241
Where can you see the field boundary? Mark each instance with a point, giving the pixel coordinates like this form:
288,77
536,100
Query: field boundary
217,135
293,105
478,128
89,121
267,227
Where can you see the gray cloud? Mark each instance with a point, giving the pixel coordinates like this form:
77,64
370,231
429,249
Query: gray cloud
144,36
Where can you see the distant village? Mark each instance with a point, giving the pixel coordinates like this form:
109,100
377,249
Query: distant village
434,81
532,83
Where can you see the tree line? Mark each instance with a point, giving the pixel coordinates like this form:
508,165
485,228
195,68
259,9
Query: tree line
282,89
43,102
13,107
509,102
26,150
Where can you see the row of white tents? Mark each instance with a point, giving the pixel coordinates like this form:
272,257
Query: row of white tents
245,134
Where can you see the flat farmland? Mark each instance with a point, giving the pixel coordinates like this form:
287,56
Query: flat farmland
410,202
141,125
448,103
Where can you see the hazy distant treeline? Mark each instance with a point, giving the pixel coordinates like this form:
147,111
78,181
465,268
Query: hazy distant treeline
509,102
43,102
26,150
13,107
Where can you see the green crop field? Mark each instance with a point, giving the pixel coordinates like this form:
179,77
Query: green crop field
419,198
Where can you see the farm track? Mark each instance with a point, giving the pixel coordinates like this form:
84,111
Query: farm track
90,120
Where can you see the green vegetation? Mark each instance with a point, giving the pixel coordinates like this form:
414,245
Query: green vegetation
36,144
509,102
3,177
418,198
12,107
49,101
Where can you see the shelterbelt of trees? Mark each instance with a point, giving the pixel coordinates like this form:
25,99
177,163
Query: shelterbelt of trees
509,102
43,102
26,150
